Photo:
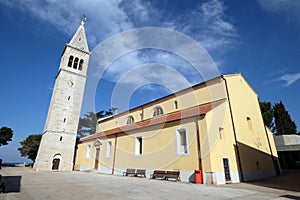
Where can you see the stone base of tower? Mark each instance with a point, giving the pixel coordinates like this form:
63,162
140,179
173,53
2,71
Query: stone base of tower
56,152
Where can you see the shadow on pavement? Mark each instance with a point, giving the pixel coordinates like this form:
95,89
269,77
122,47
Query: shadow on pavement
291,197
288,180
12,183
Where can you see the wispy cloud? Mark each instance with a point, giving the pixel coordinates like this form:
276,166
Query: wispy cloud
289,79
207,23
290,9
105,18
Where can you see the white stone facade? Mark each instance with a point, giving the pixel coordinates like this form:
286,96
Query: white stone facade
58,142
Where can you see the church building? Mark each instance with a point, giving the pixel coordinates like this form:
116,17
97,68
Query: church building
215,126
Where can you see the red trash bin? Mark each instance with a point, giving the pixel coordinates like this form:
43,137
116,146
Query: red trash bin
198,176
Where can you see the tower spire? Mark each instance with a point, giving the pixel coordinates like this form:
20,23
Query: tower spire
79,40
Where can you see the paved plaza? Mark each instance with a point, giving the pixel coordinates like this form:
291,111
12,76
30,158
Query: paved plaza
26,184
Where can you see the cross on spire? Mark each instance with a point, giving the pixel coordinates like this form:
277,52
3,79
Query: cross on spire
83,20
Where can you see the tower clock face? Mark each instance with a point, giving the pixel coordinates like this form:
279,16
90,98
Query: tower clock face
70,83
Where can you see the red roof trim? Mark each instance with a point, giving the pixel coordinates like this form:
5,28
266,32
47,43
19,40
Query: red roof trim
183,114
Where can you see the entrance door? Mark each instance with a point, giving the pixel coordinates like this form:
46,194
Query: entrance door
226,169
97,158
55,164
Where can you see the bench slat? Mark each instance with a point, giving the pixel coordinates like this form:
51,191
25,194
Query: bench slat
141,172
173,175
129,172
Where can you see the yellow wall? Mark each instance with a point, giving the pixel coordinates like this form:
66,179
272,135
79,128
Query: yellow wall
215,147
81,157
159,148
252,144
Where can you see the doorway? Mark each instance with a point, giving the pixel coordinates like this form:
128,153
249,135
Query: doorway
226,170
97,158
55,164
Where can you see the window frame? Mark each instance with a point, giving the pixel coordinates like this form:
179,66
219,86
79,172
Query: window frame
180,149
157,111
176,105
80,65
108,149
88,151
75,63
249,124
138,146
130,120
70,62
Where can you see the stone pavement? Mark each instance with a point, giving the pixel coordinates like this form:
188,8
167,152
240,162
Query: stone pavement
26,184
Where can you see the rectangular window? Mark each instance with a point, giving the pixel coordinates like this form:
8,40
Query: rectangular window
108,149
138,146
88,151
249,124
182,142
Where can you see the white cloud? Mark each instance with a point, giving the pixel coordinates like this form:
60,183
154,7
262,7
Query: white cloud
289,78
105,18
290,9
207,23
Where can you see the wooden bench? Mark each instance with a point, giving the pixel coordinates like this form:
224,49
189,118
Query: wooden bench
172,175
140,172
158,174
129,172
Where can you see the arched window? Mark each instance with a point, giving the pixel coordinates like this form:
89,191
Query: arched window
75,63
70,61
80,65
158,111
130,120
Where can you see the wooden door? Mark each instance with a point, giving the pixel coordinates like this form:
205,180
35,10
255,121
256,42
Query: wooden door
55,164
97,158
226,169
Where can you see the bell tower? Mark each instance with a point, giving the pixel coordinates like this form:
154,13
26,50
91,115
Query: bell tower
56,151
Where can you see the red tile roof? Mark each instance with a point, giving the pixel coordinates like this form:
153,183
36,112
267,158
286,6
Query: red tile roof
182,114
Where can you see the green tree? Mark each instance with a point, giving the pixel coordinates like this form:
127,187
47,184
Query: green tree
283,123
30,146
87,124
6,135
267,114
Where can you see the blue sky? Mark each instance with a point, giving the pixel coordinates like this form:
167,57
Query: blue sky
258,38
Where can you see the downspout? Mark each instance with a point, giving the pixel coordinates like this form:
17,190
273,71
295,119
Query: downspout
198,141
273,159
114,159
234,131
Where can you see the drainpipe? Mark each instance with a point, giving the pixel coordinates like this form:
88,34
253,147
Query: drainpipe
198,141
114,159
234,131
273,159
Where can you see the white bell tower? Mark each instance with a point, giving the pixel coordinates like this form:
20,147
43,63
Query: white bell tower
56,151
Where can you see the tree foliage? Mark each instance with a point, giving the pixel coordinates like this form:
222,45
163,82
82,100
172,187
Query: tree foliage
30,146
283,122
87,124
267,114
6,135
